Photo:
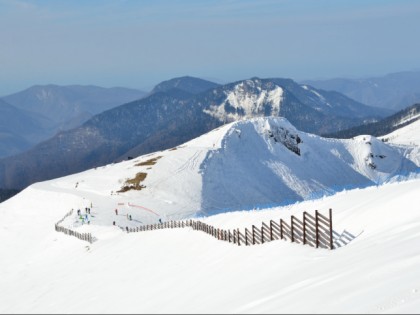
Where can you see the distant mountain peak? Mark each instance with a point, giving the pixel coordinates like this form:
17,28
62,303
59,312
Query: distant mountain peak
186,83
248,98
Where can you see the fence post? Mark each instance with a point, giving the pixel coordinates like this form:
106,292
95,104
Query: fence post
281,229
316,229
331,231
246,237
292,232
262,234
304,228
271,230
239,238
253,235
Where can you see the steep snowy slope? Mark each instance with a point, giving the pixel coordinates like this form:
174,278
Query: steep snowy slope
262,162
407,140
408,135
243,165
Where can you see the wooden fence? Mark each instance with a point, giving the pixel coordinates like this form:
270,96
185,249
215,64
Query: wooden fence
81,236
313,230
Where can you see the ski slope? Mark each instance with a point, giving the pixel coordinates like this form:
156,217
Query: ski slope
240,166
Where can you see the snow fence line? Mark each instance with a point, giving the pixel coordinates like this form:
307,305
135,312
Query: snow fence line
81,236
313,230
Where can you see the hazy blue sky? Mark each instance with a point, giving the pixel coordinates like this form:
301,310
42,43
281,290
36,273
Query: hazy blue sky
137,43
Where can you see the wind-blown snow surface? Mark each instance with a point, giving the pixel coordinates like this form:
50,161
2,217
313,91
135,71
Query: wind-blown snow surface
182,271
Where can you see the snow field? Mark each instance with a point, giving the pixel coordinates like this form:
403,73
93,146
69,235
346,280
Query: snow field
185,271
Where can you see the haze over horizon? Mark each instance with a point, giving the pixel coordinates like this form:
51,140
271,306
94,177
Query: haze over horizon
138,44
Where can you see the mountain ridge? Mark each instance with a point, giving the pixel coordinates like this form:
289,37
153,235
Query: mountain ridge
389,124
393,91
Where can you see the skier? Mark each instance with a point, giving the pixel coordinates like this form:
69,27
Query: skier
116,211
160,221
113,223
129,217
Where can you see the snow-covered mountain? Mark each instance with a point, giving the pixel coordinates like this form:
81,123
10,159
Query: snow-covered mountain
241,165
238,166
308,108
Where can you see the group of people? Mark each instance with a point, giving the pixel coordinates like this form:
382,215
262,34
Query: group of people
87,211
129,217
85,218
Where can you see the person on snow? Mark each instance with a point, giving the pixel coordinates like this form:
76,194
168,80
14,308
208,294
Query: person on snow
116,211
